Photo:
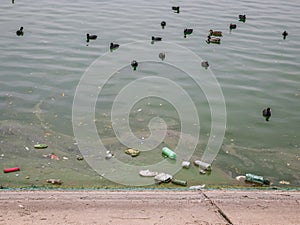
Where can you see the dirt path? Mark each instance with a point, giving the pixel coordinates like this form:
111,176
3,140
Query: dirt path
149,207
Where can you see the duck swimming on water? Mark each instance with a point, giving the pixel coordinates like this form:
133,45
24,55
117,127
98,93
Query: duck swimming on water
242,18
215,33
205,64
90,37
284,34
162,56
232,26
266,113
176,9
187,32
114,46
20,32
134,64
156,38
163,24
213,40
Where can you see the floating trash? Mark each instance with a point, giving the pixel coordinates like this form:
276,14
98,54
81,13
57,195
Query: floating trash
54,181
240,178
168,152
179,182
132,152
109,155
40,146
202,165
78,157
163,178
53,156
256,179
197,187
12,169
147,173
284,182
185,164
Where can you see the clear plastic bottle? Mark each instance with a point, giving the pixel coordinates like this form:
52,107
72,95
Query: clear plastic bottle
202,165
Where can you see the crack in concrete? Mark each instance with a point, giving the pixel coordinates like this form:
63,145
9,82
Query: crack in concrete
218,209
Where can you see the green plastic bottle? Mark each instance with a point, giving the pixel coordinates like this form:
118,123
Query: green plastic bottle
256,179
168,152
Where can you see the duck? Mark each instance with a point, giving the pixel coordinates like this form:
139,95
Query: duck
215,33
267,113
162,56
213,40
163,24
205,64
242,18
284,34
134,64
188,31
156,38
176,9
232,26
20,32
90,37
114,46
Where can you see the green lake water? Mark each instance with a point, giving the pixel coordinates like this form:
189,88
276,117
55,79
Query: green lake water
255,67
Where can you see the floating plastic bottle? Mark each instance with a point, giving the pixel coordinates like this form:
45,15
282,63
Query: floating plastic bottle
256,179
9,170
202,165
179,182
168,152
